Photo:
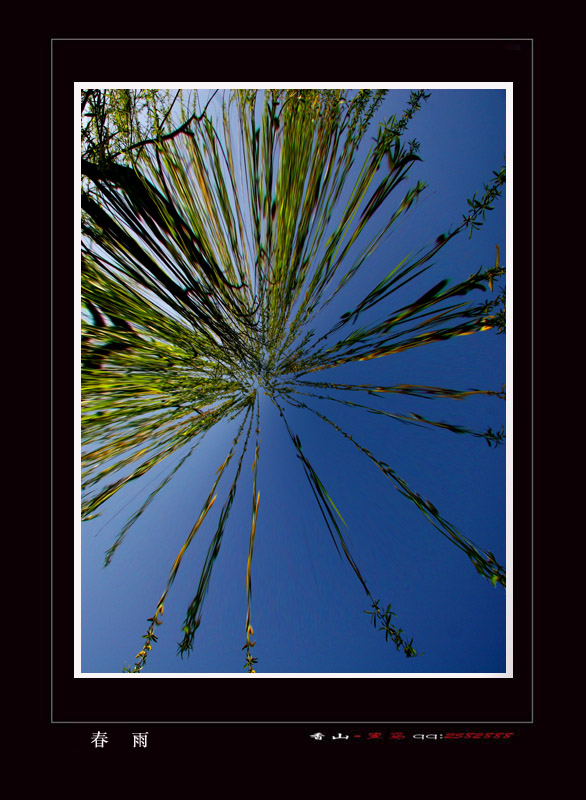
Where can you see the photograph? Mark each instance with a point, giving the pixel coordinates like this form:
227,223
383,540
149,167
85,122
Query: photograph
293,380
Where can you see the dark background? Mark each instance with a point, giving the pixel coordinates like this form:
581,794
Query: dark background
73,709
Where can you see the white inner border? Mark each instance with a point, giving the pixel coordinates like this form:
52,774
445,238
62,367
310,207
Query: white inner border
508,87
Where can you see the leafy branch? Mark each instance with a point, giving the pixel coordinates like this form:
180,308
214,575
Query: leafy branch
391,631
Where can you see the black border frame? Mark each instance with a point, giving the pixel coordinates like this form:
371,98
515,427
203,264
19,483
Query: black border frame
75,708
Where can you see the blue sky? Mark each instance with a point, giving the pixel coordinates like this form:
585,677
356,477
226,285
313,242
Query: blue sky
307,604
